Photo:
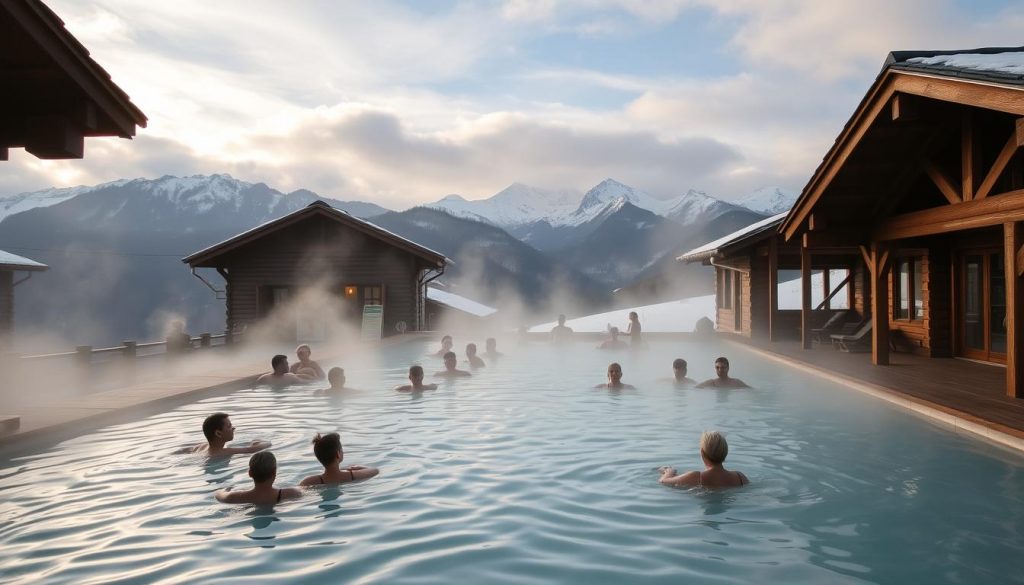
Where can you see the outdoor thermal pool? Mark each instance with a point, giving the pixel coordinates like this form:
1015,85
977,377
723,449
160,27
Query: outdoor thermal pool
527,474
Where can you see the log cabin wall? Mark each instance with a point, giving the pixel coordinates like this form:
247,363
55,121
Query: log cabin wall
732,292
914,331
758,298
320,253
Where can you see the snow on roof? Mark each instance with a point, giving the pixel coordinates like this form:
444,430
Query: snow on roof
14,262
1009,62
458,302
711,248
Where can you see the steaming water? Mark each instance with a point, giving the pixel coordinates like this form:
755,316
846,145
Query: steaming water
526,474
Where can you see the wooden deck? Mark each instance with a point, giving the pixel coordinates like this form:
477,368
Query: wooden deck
970,391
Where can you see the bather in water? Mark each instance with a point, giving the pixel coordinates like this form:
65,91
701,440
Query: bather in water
613,341
219,431
713,451
450,371
263,471
446,346
329,452
474,360
492,352
722,379
306,367
615,379
280,376
415,381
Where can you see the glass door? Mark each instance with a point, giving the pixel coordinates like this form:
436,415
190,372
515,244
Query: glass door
983,306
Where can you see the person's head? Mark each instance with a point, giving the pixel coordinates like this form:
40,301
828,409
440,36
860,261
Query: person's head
713,447
446,342
614,373
471,349
416,374
280,363
218,427
633,316
614,332
679,368
722,367
327,448
492,344
303,352
263,467
561,319
450,359
336,376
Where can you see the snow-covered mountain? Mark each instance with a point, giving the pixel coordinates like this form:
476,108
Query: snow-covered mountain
769,200
514,205
11,204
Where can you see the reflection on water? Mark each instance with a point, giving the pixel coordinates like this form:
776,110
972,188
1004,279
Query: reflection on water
525,473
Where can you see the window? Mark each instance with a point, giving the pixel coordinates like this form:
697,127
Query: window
725,293
373,295
908,293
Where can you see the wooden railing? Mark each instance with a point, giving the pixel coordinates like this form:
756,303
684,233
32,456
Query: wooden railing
131,350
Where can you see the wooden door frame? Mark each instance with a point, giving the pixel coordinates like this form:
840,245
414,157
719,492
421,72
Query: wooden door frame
960,329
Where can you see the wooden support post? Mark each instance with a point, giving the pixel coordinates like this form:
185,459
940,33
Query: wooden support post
83,354
826,287
805,297
204,340
968,156
130,349
773,287
879,304
1013,238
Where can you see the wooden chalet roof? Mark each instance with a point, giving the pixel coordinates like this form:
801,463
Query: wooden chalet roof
908,115
752,234
209,257
11,262
54,94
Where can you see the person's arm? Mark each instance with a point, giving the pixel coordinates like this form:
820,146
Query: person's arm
669,477
300,379
403,388
227,496
705,384
319,371
295,367
741,383
361,472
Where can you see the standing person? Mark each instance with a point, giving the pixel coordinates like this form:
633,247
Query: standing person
633,330
219,431
330,454
615,379
561,333
263,471
713,451
722,380
280,376
415,381
473,359
450,371
446,346
305,366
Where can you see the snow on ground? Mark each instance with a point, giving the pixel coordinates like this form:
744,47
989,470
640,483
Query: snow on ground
681,316
459,302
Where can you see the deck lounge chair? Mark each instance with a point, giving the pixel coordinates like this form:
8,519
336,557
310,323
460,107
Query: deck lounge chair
831,326
859,341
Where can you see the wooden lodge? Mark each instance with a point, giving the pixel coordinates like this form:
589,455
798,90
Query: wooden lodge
54,94
320,266
10,265
912,224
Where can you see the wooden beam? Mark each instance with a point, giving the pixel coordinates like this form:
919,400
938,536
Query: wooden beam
838,288
54,137
968,156
868,261
879,305
946,186
805,298
826,288
1020,262
990,211
904,108
1013,144
773,287
816,222
1013,238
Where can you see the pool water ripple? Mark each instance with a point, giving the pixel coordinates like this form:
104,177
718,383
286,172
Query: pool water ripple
525,473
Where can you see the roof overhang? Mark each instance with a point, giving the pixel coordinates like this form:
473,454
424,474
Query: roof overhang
12,262
741,238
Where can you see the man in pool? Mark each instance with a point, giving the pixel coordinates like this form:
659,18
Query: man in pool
305,366
679,373
615,379
561,333
722,380
263,471
415,381
492,349
336,378
281,376
473,359
450,371
329,453
446,346
219,431
613,342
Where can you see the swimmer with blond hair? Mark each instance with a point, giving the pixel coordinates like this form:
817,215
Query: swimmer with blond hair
263,471
415,381
330,454
713,451
615,379
306,367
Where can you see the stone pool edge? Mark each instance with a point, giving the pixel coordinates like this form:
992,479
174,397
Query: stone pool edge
952,419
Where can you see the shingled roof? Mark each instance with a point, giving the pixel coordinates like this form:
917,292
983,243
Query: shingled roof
992,64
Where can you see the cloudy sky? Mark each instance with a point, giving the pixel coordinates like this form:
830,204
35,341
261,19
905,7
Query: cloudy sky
404,102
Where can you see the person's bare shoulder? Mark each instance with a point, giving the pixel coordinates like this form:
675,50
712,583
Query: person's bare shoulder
310,481
706,384
192,449
403,388
291,492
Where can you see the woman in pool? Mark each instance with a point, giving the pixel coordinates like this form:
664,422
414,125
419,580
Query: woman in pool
263,471
328,451
615,379
446,346
713,450
306,367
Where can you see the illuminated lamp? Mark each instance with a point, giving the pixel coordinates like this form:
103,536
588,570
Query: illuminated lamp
350,292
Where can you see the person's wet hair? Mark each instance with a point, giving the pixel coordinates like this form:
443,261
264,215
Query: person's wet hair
678,364
416,371
722,360
262,466
471,346
335,374
714,446
491,342
304,346
446,338
214,423
278,359
450,355
326,447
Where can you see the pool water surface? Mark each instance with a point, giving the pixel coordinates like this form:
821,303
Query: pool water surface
525,473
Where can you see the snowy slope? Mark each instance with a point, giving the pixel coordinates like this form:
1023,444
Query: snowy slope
769,200
11,204
517,204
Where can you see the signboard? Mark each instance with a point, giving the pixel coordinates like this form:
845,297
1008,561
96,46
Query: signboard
373,322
